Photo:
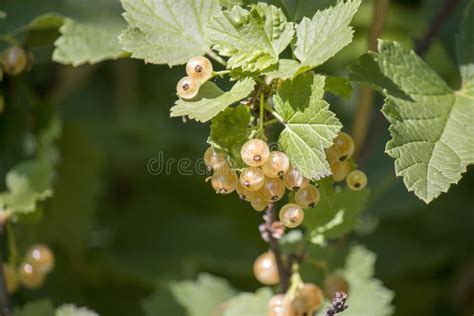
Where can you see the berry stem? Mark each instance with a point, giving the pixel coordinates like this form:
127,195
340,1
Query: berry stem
4,297
270,122
262,112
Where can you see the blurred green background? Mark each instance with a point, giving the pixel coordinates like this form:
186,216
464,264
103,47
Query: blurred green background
119,231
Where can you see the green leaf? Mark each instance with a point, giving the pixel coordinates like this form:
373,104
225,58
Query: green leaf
203,296
321,37
162,302
2,14
338,86
252,39
36,308
286,69
249,304
165,31
310,126
297,9
335,216
465,50
206,107
88,42
432,126
230,3
71,310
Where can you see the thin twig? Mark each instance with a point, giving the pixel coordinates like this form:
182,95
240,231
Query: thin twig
4,297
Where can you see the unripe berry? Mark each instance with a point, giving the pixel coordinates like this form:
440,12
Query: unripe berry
265,269
258,202
334,284
14,60
187,88
214,160
244,193
356,180
224,183
11,278
294,180
308,299
277,165
30,277
308,197
342,149
252,178
199,68
340,170
291,215
273,190
41,258
255,152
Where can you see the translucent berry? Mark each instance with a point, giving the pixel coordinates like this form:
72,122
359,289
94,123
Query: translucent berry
291,215
252,178
14,60
277,165
187,88
356,180
214,160
224,183
199,68
340,170
307,300
11,278
308,197
279,305
255,152
342,149
265,269
294,180
41,258
334,284
258,202
273,189
30,277
244,193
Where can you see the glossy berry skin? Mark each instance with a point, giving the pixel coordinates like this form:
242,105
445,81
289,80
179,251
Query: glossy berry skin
41,258
11,278
342,148
273,190
279,305
335,283
14,60
30,277
187,88
277,165
243,193
199,68
294,180
265,269
308,299
258,202
356,180
214,160
291,215
340,170
224,183
252,179
255,152
308,197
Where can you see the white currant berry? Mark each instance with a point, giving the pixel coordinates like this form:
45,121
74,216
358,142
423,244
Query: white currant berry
340,170
214,160
342,148
41,257
252,178
187,88
277,165
273,189
258,202
291,215
265,269
30,276
255,152
356,180
199,68
294,180
308,197
280,305
308,299
244,193
224,183
14,60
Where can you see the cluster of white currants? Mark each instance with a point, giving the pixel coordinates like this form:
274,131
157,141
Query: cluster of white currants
305,299
37,264
338,156
265,179
199,70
